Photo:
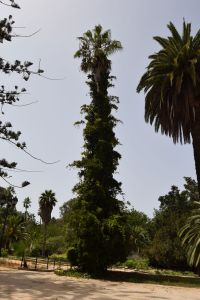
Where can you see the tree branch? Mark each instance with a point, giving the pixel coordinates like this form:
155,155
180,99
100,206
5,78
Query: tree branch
29,154
15,186
13,4
29,35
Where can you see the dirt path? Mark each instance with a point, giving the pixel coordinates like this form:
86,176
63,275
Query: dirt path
27,285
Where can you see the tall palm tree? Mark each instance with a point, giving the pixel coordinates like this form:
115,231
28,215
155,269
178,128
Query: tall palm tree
172,89
26,204
46,203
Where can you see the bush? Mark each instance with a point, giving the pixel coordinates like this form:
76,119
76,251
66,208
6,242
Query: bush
4,252
59,257
139,264
72,256
133,263
55,244
19,248
36,250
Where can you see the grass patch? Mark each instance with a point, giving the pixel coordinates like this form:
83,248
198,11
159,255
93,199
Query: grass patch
141,273
139,277
73,273
59,257
142,264
136,277
173,272
133,263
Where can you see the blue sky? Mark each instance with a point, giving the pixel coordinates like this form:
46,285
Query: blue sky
150,162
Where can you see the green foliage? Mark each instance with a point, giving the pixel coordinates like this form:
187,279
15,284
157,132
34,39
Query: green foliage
175,279
171,86
36,249
171,78
26,204
59,257
73,273
165,249
96,227
138,224
19,248
55,244
11,96
46,203
10,221
136,263
190,236
72,256
4,252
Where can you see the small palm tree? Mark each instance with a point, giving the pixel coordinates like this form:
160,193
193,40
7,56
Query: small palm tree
172,89
190,236
15,230
26,204
46,203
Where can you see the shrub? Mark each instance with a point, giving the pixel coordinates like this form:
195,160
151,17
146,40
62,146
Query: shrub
59,257
4,252
72,256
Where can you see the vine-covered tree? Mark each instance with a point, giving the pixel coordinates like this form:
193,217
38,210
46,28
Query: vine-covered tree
96,226
172,87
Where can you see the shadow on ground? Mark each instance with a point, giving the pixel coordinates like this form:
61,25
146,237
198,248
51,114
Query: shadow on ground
142,277
29,285
35,285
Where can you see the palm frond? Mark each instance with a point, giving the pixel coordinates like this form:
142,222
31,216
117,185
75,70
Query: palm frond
190,237
171,82
176,36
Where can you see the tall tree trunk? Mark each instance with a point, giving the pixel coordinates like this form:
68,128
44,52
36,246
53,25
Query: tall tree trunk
196,145
44,240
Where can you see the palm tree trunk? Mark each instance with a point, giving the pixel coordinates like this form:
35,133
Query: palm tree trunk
44,240
196,145
25,215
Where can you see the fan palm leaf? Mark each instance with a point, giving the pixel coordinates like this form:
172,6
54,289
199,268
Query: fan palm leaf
95,44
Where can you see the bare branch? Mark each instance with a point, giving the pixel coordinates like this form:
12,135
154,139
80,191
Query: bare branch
39,159
21,105
5,3
43,76
13,185
29,154
29,35
21,170
49,78
13,4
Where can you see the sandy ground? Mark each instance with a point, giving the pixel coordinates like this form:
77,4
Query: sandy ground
28,285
